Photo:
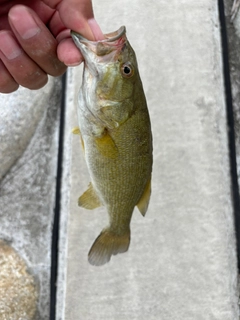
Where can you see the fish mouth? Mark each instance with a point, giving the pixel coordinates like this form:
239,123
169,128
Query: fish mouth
115,35
109,37
113,41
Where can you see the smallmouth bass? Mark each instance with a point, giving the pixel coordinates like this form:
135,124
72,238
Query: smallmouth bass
115,131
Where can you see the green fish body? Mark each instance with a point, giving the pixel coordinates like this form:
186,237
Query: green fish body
116,137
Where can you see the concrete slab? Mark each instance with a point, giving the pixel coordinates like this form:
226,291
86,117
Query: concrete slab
182,259
29,143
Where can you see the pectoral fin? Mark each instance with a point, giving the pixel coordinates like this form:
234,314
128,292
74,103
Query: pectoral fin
106,145
144,200
89,199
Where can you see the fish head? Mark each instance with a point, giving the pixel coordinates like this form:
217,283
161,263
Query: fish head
111,63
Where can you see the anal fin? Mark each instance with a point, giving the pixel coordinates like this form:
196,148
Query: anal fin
144,200
89,199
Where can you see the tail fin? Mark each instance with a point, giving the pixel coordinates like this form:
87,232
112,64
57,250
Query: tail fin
107,244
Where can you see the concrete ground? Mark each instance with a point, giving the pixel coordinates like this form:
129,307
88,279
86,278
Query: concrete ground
29,127
182,260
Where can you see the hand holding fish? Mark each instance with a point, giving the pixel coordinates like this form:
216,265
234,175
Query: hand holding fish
35,39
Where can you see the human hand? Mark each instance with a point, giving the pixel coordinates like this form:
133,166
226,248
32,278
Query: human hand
35,39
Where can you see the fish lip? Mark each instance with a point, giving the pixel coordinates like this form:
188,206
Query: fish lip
109,37
96,53
113,42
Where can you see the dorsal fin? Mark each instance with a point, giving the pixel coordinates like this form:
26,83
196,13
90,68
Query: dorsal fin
144,200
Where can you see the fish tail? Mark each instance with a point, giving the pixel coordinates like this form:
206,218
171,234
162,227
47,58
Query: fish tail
108,243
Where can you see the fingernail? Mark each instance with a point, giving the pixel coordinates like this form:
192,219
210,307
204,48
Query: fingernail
97,32
9,46
23,22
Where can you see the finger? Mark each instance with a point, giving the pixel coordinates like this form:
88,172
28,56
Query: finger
44,12
7,83
68,53
56,25
35,39
97,32
76,15
85,6
24,71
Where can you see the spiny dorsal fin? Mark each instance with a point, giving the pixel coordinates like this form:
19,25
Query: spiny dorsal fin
144,200
107,244
89,199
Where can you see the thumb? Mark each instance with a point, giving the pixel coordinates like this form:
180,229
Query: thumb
77,15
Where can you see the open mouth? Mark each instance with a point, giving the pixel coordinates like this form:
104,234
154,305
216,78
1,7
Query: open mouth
113,41
109,37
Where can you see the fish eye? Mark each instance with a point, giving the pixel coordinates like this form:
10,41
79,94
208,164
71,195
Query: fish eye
127,70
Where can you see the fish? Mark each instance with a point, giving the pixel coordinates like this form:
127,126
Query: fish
116,137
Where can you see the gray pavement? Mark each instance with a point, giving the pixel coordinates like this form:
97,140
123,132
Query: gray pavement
182,260
29,124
